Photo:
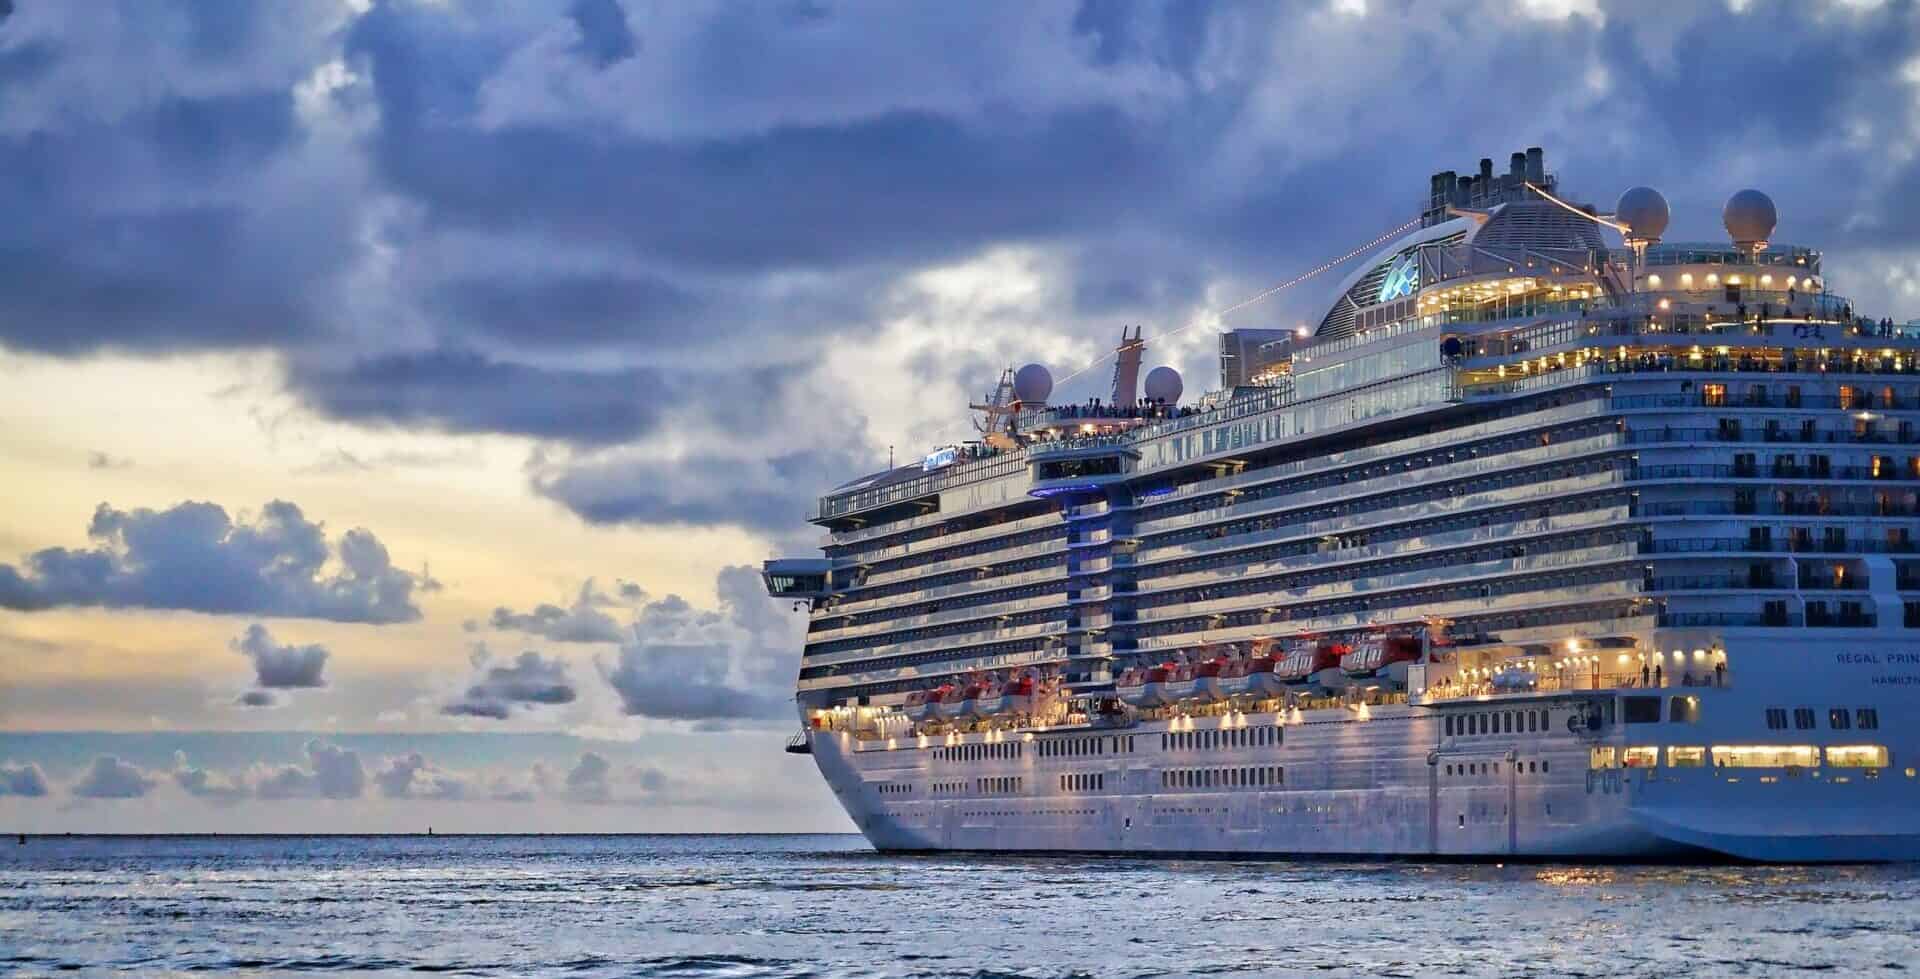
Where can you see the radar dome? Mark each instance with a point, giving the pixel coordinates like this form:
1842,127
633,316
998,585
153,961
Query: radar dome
1750,218
1032,384
1163,385
1644,212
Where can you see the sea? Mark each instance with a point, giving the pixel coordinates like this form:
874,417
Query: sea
749,906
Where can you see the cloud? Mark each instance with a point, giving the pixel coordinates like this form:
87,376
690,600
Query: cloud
332,773
203,784
111,778
583,621
588,780
529,681
411,777
689,664
257,698
277,667
193,557
27,780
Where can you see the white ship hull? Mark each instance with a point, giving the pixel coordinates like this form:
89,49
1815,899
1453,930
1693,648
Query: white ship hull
1388,782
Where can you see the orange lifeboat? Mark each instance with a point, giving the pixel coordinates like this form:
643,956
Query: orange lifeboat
1311,662
954,700
1377,655
920,704
1209,679
990,699
1019,695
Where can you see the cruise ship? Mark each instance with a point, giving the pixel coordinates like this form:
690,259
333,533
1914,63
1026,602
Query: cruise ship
1548,539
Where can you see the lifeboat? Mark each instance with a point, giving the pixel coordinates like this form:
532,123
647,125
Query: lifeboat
1019,695
954,701
1261,680
1176,683
1377,655
1311,663
1132,686
921,704
988,700
1209,680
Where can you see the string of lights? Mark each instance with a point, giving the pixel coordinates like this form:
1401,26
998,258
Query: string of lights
1217,315
1595,218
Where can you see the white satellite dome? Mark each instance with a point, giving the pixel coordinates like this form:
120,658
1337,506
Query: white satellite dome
1032,384
1750,217
1645,213
1163,385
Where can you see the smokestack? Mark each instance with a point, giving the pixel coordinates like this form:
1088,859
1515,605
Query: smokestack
1517,167
1537,166
1486,171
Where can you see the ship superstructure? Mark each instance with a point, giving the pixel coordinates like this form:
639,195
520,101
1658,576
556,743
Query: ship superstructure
1531,545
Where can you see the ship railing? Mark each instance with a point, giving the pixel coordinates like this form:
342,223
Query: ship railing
1561,681
1748,545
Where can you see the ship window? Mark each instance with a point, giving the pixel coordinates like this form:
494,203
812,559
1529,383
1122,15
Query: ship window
1642,756
1765,756
1532,722
1803,718
1868,718
1683,710
1600,757
1449,725
1857,756
1640,710
1839,719
1776,718
1686,757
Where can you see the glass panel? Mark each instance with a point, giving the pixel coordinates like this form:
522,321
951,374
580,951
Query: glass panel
1857,756
1765,756
1642,756
1598,758
1693,757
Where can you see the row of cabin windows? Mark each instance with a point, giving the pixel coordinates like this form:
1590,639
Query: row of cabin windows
1838,718
1529,721
998,751
1253,777
906,613
1493,768
893,788
983,626
1546,581
947,788
1438,457
1237,737
1394,565
965,577
920,659
1420,493
1471,520
999,784
1086,747
991,544
1083,782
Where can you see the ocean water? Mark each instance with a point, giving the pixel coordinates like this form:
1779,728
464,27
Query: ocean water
744,906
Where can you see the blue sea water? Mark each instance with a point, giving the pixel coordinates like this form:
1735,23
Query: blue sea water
745,906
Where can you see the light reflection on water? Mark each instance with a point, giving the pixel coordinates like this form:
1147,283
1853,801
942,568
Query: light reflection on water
745,906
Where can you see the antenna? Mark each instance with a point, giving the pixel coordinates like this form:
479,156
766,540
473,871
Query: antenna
1126,368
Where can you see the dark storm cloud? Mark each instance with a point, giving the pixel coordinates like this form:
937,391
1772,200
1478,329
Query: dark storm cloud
281,667
194,557
26,781
464,391
203,784
733,189
111,778
605,35
530,680
691,664
257,698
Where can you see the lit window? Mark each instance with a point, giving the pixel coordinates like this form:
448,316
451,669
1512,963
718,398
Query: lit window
1857,756
1765,756
1693,757
1599,758
1642,756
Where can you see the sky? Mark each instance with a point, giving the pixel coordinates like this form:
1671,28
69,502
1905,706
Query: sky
397,397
